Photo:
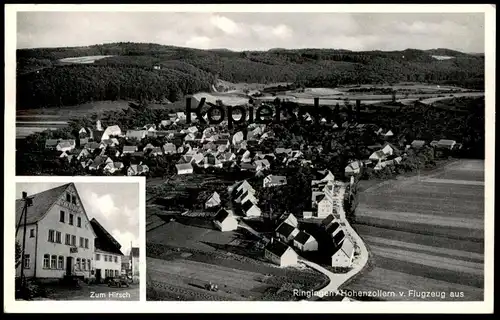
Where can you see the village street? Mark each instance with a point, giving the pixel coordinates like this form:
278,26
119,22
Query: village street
336,279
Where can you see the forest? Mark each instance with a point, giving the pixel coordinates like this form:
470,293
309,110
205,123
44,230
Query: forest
129,73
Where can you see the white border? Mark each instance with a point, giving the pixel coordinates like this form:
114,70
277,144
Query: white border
248,307
11,305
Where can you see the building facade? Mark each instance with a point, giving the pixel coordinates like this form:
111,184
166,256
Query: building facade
59,236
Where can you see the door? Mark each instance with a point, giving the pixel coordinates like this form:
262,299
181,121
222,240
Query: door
98,274
69,265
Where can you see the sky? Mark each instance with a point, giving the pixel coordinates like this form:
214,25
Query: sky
255,31
114,205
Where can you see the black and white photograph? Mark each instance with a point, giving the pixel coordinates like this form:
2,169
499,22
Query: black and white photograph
77,241
300,153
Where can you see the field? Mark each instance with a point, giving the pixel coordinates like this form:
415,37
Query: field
186,254
425,234
86,59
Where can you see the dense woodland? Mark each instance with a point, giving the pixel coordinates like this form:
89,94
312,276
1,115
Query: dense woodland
129,74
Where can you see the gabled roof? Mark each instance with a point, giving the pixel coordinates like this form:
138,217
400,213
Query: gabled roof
285,229
247,205
277,247
339,237
42,202
105,241
333,227
346,248
326,222
221,215
302,237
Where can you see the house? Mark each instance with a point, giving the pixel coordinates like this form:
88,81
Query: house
100,161
111,131
344,254
280,254
261,165
184,168
84,153
326,222
242,187
283,151
417,144
286,232
66,145
250,209
91,146
305,242
291,220
134,263
137,169
59,238
389,149
338,236
237,138
210,160
156,151
307,214
225,220
51,144
150,127
108,257
377,155
129,149
446,144
112,167
273,181
352,168
324,205
149,146
388,134
136,134
213,201
169,148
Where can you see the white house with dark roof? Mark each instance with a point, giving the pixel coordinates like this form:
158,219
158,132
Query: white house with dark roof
108,256
250,209
184,168
213,201
136,134
225,220
280,254
291,220
274,181
344,254
305,242
59,236
353,168
286,232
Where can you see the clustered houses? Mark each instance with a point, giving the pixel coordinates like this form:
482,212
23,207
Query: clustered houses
243,194
101,150
343,253
326,195
61,240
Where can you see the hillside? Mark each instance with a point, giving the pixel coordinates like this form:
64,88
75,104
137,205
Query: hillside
129,74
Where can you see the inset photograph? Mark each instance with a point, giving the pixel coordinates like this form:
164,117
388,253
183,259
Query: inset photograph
77,241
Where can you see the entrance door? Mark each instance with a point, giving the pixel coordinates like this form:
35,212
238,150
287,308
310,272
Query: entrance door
98,275
69,265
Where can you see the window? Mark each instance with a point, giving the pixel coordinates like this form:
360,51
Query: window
46,261
68,197
81,242
53,262
73,241
60,262
73,199
70,219
84,264
68,239
32,233
88,264
61,216
116,259
26,261
78,264
116,273
51,235
97,257
58,237
79,222
86,243
105,258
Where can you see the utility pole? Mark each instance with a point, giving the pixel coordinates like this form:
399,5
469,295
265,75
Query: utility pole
28,202
131,262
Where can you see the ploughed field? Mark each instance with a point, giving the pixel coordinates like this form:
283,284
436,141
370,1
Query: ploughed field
425,234
186,254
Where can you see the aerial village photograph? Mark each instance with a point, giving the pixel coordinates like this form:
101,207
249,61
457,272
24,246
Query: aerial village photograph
287,156
77,241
